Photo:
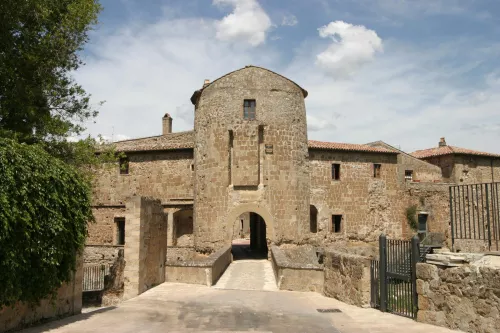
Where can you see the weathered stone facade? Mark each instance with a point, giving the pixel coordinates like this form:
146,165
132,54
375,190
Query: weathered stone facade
230,166
365,203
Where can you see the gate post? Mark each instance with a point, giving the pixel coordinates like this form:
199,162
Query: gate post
383,271
415,257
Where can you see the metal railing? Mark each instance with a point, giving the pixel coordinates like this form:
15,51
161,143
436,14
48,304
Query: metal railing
475,213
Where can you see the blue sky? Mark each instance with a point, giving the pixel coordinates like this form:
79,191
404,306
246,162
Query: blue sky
406,72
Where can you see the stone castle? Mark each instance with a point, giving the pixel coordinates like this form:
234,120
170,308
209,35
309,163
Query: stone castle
248,169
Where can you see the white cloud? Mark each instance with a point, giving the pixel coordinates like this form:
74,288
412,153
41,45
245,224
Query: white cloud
352,47
248,22
289,20
146,69
410,96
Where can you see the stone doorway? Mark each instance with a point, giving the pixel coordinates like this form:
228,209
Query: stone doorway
254,246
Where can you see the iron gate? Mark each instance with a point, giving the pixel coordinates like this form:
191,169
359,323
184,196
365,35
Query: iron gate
475,213
93,277
393,277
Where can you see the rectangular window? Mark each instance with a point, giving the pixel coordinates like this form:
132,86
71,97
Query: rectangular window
249,109
336,171
120,230
376,170
422,223
336,223
409,175
124,165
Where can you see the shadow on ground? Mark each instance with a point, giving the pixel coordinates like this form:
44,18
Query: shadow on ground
244,252
44,326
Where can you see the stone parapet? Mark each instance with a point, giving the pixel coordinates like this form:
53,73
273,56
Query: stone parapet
347,278
205,271
295,276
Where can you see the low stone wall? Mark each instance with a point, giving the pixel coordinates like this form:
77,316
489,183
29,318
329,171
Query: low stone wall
465,297
67,302
347,278
293,276
204,271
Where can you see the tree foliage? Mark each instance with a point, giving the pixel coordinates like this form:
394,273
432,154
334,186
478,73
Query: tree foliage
40,42
44,211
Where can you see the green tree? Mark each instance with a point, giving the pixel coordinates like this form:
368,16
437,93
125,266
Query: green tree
44,211
40,45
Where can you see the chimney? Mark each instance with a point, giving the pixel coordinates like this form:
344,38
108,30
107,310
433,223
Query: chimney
206,83
167,124
442,142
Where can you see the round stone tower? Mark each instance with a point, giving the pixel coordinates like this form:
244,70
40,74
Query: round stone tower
251,156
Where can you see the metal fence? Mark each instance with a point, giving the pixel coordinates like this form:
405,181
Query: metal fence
93,277
375,284
393,277
475,213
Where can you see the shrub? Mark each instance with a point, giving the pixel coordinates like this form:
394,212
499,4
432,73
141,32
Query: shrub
44,211
411,217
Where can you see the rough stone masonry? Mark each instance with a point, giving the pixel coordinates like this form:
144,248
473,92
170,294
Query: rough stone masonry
249,155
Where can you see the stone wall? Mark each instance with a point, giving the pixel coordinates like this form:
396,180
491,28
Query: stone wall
101,254
199,270
278,189
431,199
145,245
347,278
476,169
166,175
296,276
103,230
368,205
467,169
465,297
68,302
422,170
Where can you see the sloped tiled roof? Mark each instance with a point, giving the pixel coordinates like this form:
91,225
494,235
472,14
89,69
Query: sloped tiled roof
185,140
448,150
180,140
348,147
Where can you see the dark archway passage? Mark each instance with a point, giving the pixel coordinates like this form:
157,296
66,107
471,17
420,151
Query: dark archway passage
256,246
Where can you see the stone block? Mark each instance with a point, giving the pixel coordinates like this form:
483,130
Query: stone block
427,272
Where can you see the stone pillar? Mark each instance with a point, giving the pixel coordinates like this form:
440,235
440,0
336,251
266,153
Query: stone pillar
132,248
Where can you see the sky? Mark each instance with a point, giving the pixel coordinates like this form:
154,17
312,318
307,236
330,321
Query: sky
407,72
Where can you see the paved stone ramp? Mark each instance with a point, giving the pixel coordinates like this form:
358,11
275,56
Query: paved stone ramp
177,307
248,275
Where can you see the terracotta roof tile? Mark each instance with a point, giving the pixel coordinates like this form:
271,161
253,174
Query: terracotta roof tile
348,147
172,141
448,150
185,140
